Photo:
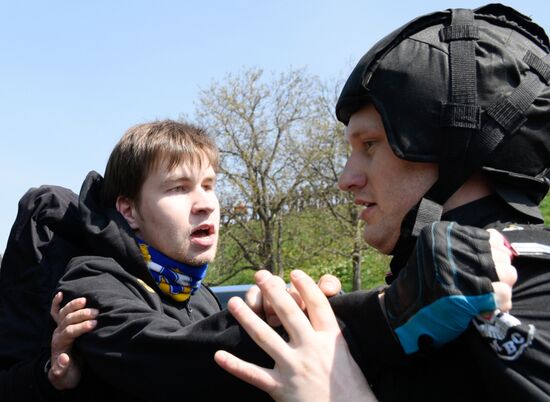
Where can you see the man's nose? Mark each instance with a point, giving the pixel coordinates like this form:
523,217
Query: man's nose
204,202
352,176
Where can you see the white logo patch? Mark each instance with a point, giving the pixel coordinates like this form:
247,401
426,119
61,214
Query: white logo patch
506,335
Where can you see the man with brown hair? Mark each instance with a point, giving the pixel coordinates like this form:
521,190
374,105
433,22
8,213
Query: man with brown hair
151,227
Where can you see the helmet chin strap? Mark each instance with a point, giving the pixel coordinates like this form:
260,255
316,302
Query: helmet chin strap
428,210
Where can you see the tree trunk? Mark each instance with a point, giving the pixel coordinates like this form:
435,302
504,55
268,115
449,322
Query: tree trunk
356,260
356,256
267,248
280,267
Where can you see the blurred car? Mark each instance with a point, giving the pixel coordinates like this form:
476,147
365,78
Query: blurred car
224,293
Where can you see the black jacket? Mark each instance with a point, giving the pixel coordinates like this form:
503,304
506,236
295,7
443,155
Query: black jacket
27,381
146,346
44,237
469,368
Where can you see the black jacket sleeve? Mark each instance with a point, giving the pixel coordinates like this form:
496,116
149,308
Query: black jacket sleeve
369,336
152,350
504,358
27,381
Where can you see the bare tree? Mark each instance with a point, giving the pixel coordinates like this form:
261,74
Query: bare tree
322,181
263,127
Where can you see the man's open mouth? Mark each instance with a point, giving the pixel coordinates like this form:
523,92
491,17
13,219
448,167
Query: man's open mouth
203,231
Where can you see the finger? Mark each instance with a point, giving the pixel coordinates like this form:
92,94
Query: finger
264,336
54,310
271,316
255,375
272,319
79,316
500,244
71,332
60,365
292,317
329,285
62,339
71,306
296,296
319,311
262,275
268,311
253,299
502,256
503,296
507,273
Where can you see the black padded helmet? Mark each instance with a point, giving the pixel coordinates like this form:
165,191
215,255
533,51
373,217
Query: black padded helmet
466,89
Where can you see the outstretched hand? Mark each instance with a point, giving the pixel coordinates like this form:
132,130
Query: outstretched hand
72,321
315,365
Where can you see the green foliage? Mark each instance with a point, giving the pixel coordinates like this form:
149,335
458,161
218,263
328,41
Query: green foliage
373,270
545,208
308,245
376,266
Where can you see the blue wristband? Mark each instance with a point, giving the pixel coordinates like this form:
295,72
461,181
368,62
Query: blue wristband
444,320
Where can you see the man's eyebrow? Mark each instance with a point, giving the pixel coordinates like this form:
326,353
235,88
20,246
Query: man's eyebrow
363,131
354,134
358,133
186,179
176,179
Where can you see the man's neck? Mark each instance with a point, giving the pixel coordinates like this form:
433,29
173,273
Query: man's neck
475,188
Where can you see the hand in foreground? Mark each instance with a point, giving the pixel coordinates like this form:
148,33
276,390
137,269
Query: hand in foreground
315,365
330,285
72,321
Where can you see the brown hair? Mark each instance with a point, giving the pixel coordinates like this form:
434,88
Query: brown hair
143,147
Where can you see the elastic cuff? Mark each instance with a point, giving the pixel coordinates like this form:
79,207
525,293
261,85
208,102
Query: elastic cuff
47,366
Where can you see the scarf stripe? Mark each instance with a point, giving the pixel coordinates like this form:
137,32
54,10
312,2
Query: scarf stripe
175,279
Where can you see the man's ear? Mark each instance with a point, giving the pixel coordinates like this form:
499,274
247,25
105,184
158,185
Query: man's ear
128,210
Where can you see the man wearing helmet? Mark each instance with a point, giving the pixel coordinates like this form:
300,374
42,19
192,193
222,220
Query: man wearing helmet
448,119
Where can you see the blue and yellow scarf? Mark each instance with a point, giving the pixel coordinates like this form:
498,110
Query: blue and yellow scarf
174,278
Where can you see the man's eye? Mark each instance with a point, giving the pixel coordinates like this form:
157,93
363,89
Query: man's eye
177,189
367,145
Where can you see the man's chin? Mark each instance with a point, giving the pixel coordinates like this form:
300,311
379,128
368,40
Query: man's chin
201,259
381,243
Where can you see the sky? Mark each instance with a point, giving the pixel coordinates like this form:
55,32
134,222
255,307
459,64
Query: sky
74,75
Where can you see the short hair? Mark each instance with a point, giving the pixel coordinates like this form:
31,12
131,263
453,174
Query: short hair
145,146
